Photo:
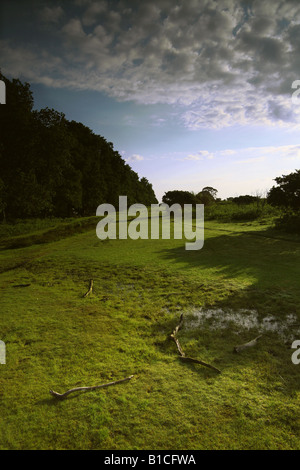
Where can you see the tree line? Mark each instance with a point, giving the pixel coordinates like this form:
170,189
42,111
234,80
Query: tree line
286,195
51,166
207,197
282,202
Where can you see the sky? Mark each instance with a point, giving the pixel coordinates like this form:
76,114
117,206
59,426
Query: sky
191,93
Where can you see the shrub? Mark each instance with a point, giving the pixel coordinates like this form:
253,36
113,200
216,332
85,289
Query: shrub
289,222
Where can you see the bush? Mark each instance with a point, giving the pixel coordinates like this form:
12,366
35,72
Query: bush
289,222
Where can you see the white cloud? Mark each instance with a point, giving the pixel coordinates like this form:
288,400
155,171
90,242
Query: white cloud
227,152
193,157
201,155
135,158
251,155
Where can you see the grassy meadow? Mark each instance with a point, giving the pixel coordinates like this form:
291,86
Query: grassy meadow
243,283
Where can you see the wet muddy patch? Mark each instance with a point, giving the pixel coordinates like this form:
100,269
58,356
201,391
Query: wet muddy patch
241,320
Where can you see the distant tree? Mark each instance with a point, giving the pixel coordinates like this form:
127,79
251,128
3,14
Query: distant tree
287,192
207,196
179,197
244,200
210,190
147,193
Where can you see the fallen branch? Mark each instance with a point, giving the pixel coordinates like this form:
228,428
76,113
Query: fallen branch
81,389
173,335
181,352
178,326
237,349
90,288
197,361
178,346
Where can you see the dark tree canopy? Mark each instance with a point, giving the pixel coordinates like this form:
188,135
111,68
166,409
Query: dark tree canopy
179,197
244,200
287,191
206,196
212,191
53,167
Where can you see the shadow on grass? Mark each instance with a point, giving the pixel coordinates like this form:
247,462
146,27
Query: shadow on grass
245,272
53,401
265,261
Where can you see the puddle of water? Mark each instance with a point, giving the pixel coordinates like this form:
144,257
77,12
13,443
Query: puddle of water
244,319
121,286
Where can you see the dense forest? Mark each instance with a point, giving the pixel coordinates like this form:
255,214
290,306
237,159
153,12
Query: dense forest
54,167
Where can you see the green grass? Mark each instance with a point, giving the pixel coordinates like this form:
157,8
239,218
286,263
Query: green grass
56,339
23,226
225,211
36,231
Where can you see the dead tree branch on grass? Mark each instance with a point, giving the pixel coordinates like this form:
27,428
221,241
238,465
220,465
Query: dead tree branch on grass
82,389
181,352
197,361
173,336
237,349
90,288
